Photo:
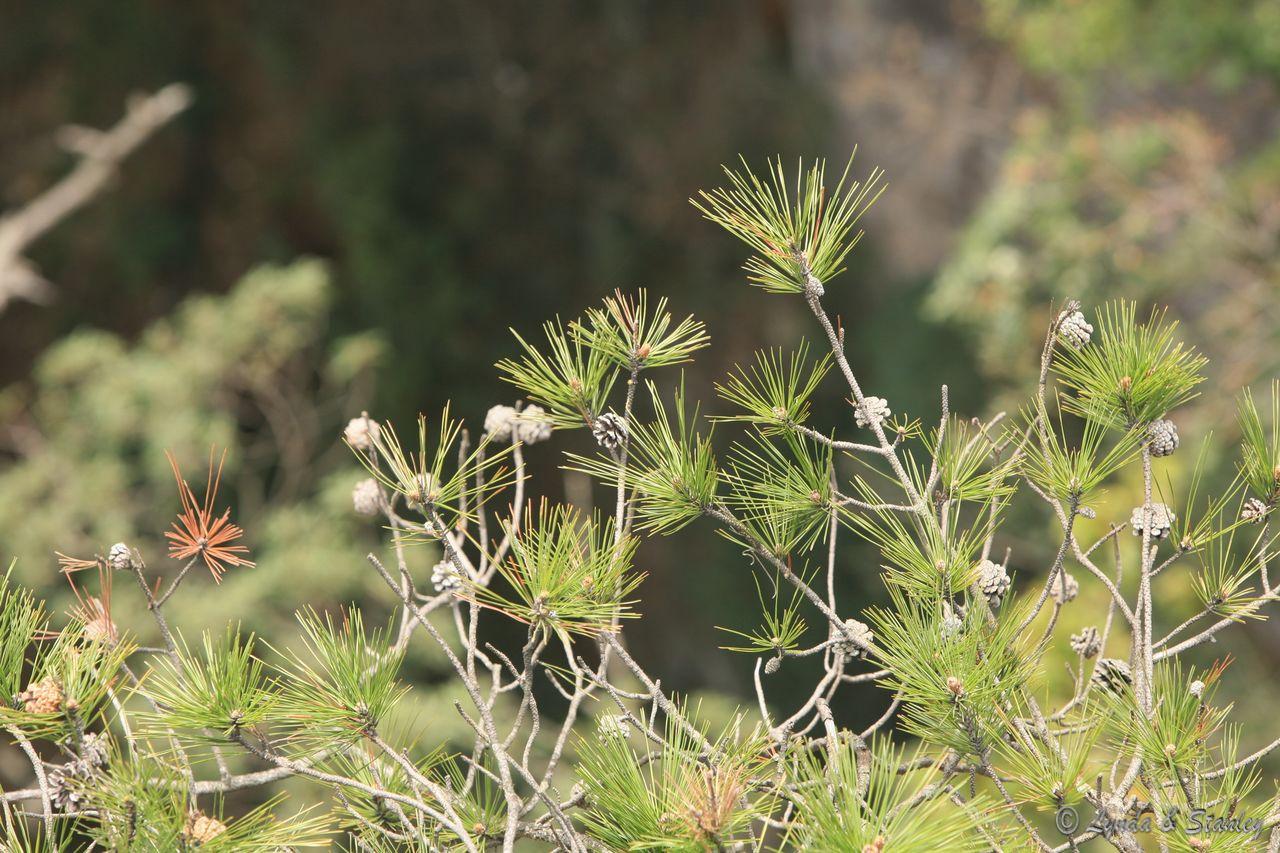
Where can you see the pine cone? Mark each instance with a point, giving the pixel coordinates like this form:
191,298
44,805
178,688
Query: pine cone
1253,510
201,828
532,425
361,432
993,581
95,750
1196,688
1162,437
1065,589
43,697
1162,518
119,557
613,726
772,665
1074,330
1087,643
861,641
67,781
499,421
1112,675
610,431
366,497
872,409
66,786
444,576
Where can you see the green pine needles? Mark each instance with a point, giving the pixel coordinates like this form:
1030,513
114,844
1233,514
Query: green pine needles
682,793
781,490
22,619
211,695
632,334
801,231
855,797
566,573
571,380
775,391
671,467
955,671
432,480
1260,447
343,686
1133,373
1070,469
967,625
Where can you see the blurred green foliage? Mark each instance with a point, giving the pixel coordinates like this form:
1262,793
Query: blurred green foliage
1227,41
250,372
1137,181
1139,207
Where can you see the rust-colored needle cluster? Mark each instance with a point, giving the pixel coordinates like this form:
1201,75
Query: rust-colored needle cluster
198,532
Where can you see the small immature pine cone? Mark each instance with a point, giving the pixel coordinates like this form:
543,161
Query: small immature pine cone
498,422
1065,588
423,484
1162,437
1087,643
862,638
772,665
993,581
1112,675
872,409
1196,688
201,828
1088,512
1074,330
1162,518
43,697
366,497
610,431
532,426
119,557
952,621
444,576
361,432
1253,510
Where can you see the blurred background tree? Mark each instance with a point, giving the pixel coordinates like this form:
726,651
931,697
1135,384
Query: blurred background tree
463,168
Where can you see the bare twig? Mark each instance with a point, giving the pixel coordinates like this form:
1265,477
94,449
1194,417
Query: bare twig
101,154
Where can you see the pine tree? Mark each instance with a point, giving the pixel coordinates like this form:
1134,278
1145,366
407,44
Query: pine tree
153,738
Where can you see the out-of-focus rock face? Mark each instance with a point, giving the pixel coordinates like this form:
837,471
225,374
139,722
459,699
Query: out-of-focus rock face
928,97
